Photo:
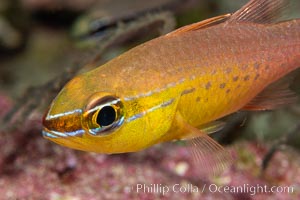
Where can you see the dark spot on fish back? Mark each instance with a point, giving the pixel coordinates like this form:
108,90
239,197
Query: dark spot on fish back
198,99
222,85
267,67
208,85
235,78
187,91
246,78
256,77
227,91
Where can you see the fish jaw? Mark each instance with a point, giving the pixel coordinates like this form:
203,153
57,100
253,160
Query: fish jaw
63,118
64,128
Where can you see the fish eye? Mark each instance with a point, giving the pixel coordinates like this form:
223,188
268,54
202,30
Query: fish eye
106,116
103,114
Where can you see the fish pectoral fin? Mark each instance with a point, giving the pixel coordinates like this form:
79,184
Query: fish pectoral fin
276,95
208,155
200,25
260,11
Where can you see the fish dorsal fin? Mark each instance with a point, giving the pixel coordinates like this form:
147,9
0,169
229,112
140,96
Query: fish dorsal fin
200,25
255,11
276,95
260,11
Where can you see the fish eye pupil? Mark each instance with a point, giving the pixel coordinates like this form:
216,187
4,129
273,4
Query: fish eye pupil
106,116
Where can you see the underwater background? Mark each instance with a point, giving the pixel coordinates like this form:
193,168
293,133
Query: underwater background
44,43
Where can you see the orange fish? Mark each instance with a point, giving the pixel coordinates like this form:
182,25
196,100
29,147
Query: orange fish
178,85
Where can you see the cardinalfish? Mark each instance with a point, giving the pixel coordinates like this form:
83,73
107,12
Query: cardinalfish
178,86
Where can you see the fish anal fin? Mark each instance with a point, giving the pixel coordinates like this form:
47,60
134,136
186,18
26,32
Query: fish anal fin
209,157
274,96
260,11
200,25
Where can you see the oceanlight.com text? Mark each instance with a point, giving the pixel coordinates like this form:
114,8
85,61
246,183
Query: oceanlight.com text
250,189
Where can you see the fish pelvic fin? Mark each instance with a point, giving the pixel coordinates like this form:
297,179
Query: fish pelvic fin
208,155
260,11
200,25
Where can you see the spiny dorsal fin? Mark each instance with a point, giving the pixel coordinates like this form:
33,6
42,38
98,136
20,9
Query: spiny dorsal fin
260,11
200,25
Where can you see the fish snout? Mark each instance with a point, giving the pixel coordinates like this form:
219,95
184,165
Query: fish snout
64,124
